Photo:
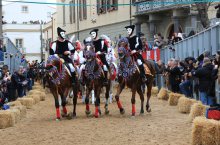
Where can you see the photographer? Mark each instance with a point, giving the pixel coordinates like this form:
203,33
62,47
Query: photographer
186,84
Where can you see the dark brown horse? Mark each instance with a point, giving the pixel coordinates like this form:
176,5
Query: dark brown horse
129,75
59,81
93,76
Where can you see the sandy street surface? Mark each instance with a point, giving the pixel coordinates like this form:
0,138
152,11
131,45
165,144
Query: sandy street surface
163,126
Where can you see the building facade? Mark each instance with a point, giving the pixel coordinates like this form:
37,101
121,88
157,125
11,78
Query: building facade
167,17
23,26
107,15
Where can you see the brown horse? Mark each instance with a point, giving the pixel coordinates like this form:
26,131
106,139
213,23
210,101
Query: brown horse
129,75
93,77
59,81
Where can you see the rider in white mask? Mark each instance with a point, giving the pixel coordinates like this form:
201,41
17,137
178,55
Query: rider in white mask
100,50
64,49
136,48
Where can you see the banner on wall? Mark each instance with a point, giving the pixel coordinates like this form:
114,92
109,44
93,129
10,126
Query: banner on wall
153,54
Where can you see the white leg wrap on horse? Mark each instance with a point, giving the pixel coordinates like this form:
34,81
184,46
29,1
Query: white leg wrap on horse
139,62
110,98
72,69
60,101
93,97
105,68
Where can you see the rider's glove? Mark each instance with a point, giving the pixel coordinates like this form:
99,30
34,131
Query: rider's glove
98,53
133,51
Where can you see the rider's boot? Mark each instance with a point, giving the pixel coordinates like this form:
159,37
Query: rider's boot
105,78
142,73
73,78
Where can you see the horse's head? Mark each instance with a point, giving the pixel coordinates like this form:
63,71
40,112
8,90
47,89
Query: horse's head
123,42
90,52
122,52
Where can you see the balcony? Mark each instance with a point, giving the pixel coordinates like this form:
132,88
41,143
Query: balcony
149,6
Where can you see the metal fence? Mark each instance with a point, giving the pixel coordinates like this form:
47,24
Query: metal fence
194,45
160,82
11,56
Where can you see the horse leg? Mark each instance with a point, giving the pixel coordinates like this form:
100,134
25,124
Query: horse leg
107,97
119,90
93,97
139,91
133,101
97,102
75,93
111,92
149,87
57,105
88,91
63,98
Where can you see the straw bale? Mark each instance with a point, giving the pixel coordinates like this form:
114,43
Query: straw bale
163,94
7,119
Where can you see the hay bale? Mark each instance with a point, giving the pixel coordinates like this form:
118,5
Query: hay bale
17,114
27,102
37,87
205,131
163,94
36,98
14,103
197,109
42,96
7,119
184,104
34,92
23,110
173,98
154,91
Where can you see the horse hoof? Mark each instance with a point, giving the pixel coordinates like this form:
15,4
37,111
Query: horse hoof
106,112
58,119
133,114
148,109
100,112
69,116
96,116
64,115
88,112
141,112
122,111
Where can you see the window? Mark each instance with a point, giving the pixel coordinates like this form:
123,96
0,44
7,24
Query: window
71,12
19,43
64,14
101,6
84,10
24,9
112,5
80,10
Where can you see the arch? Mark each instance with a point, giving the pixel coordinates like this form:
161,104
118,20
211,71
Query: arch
170,30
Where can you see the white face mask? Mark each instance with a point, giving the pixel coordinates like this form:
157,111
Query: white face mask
62,34
129,31
93,35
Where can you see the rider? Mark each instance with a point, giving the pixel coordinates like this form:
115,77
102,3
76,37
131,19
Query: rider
64,48
100,50
136,47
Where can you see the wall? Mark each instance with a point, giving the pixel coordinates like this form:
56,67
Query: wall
110,18
12,12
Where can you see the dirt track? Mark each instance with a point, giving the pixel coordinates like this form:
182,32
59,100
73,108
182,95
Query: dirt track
163,126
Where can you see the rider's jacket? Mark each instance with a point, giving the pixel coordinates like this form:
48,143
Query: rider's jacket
135,43
59,48
100,45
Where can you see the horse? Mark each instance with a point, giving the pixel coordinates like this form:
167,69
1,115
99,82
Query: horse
93,77
60,83
129,74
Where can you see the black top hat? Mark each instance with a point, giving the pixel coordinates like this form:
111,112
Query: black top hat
94,30
60,30
131,26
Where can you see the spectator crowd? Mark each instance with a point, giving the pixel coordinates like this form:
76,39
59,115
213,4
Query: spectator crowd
192,76
13,86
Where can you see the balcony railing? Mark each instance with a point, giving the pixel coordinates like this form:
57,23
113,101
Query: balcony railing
151,5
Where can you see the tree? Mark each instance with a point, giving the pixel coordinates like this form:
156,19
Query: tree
202,8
